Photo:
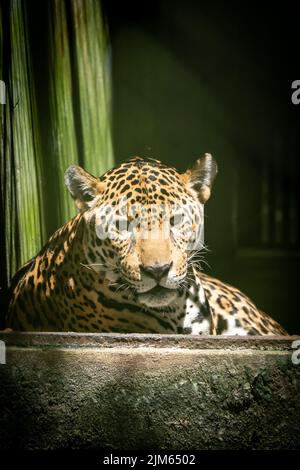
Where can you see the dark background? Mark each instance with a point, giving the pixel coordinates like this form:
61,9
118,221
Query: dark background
191,77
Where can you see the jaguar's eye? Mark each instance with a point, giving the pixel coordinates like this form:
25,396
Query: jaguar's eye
121,224
176,219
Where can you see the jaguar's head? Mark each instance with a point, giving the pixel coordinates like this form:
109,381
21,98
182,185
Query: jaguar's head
144,222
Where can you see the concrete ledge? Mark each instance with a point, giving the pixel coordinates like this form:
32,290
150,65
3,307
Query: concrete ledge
67,390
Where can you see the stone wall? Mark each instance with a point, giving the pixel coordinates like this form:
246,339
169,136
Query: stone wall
71,390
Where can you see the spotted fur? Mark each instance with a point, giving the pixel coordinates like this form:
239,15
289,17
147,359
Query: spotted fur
83,282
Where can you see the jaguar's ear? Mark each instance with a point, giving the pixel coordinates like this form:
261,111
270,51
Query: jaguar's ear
201,176
84,188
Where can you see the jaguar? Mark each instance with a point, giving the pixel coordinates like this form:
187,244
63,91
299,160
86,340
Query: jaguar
131,260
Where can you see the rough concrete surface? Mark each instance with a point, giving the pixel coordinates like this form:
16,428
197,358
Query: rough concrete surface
94,391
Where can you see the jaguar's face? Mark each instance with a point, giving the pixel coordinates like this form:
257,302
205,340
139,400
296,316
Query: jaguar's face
146,220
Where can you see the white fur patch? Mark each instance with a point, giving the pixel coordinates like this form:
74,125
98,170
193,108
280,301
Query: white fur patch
232,329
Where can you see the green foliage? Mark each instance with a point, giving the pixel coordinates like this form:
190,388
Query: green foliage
93,82
52,121
21,158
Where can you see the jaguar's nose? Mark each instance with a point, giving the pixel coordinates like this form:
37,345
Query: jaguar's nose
157,272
